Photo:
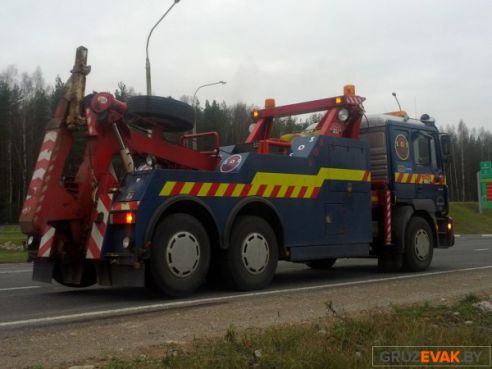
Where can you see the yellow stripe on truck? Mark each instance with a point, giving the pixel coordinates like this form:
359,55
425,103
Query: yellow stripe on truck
316,180
204,190
267,184
168,187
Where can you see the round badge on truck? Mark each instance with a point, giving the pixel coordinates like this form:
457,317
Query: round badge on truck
402,147
231,163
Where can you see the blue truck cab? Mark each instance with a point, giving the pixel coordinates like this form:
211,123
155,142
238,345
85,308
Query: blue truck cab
409,155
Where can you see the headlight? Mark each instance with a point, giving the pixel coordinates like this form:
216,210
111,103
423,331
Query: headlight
343,115
30,240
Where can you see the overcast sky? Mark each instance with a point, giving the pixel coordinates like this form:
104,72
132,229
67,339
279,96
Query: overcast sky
436,54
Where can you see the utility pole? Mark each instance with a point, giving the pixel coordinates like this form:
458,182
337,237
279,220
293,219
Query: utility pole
147,61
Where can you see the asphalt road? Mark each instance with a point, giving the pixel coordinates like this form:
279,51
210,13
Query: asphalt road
27,303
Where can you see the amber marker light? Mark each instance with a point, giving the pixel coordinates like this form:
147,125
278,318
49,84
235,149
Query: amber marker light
269,103
130,218
123,218
349,90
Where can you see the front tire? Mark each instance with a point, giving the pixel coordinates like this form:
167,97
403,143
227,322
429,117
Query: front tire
251,260
180,255
419,245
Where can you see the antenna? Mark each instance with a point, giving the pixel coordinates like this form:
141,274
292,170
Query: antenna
394,95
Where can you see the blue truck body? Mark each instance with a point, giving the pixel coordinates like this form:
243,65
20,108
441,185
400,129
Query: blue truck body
334,217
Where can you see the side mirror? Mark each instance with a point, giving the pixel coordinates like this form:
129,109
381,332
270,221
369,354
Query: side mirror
445,141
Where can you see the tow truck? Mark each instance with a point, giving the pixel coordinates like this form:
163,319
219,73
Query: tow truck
355,185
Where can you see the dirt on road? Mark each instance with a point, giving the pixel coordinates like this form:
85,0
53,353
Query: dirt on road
62,345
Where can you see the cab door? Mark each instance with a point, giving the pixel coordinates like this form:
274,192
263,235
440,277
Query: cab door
402,162
427,170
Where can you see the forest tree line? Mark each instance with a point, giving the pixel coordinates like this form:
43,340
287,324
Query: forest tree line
27,103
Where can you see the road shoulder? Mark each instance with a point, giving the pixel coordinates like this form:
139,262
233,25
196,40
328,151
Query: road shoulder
130,335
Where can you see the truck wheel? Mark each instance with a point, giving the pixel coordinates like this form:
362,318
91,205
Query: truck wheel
251,259
180,255
164,112
322,264
419,245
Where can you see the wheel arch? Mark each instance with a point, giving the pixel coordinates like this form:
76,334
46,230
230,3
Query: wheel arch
400,218
188,205
259,207
402,215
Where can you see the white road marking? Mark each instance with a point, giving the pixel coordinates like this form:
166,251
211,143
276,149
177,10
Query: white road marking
13,265
208,300
480,249
18,288
487,235
457,235
15,271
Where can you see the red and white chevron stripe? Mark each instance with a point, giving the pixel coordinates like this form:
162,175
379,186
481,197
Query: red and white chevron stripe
387,217
46,242
41,171
355,100
98,231
125,206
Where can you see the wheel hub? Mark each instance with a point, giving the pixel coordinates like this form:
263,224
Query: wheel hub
422,244
183,254
255,253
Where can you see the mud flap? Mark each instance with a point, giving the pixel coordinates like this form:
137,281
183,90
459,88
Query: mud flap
43,271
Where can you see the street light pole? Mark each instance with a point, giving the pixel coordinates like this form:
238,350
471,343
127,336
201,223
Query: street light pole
194,105
147,61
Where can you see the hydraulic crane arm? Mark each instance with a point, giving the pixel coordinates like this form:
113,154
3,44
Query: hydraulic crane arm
342,117
69,213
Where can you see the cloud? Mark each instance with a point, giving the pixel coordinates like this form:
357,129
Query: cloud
434,54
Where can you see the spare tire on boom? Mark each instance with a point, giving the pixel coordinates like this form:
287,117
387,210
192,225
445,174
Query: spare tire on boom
164,112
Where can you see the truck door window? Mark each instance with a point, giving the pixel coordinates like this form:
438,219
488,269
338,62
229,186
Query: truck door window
424,149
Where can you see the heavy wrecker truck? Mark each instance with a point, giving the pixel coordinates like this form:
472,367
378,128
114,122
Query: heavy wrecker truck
353,186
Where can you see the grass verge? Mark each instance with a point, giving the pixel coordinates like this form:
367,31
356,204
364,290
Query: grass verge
11,234
7,256
336,342
467,220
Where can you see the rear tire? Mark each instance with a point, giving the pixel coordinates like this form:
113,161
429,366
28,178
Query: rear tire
180,255
322,264
419,245
251,260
